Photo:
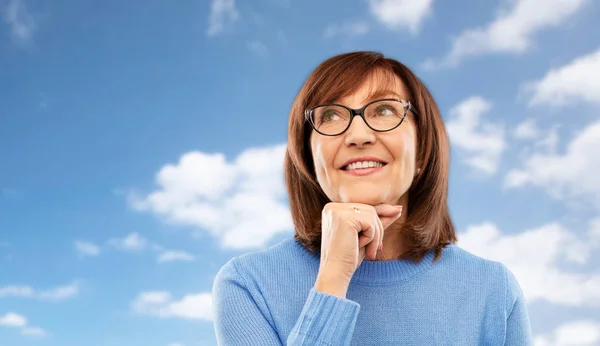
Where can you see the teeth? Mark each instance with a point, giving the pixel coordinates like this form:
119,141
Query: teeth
364,164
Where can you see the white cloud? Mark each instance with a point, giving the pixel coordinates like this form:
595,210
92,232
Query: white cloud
576,333
512,30
33,331
54,294
12,319
85,248
170,256
527,129
481,142
535,256
20,20
15,320
175,344
354,28
223,13
405,14
60,292
571,174
242,202
549,140
594,232
133,242
16,291
161,304
258,48
544,140
574,82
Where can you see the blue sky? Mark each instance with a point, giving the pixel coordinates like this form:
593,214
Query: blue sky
141,146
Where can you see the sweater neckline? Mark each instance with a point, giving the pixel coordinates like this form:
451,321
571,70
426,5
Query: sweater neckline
373,273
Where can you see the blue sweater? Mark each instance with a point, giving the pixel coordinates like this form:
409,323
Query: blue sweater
267,298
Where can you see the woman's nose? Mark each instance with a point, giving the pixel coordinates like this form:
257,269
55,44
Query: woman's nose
359,134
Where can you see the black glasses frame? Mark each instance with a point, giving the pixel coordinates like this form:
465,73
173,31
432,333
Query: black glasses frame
308,114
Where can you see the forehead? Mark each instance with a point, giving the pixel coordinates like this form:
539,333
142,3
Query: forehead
376,84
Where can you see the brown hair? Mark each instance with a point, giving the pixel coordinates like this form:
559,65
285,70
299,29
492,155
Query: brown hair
428,224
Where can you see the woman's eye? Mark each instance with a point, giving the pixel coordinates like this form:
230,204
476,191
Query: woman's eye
385,111
328,115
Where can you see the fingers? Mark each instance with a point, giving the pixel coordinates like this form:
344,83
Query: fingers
370,230
387,210
373,246
385,215
366,228
389,214
381,234
369,222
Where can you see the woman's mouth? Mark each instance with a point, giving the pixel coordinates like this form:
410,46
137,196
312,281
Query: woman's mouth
362,168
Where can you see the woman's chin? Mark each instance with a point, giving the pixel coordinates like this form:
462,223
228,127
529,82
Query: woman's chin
363,198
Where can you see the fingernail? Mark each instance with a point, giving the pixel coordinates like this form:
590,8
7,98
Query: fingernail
399,207
380,246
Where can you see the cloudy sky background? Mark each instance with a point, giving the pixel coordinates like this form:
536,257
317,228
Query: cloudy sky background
141,146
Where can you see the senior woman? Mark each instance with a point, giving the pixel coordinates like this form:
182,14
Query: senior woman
373,260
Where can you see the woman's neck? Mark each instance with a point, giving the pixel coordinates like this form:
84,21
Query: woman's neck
394,246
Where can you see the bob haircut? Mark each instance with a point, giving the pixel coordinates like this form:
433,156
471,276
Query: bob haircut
428,224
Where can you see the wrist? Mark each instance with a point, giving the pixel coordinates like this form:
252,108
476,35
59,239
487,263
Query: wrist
333,285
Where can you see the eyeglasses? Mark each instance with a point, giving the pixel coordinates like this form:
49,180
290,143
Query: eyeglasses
380,115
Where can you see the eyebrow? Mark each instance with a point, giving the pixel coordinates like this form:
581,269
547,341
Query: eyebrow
382,94
378,94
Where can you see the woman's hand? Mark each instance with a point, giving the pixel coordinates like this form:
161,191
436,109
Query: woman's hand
349,232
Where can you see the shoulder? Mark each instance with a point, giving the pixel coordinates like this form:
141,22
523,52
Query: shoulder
457,256
493,275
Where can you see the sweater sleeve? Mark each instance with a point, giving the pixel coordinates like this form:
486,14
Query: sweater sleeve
241,318
238,319
325,320
518,327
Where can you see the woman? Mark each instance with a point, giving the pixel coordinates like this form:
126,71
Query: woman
373,260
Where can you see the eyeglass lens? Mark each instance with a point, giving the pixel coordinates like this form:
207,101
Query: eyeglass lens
381,116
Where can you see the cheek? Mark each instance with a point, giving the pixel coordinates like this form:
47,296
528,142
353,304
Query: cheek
319,155
406,153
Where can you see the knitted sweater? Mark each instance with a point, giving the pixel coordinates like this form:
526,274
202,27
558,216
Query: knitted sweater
267,298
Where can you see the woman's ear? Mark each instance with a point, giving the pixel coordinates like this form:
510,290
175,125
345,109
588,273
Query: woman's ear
417,168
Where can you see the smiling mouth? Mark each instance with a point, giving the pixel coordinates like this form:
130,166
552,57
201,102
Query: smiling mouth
363,165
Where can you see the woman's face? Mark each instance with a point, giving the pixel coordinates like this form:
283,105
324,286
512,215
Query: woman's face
396,148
